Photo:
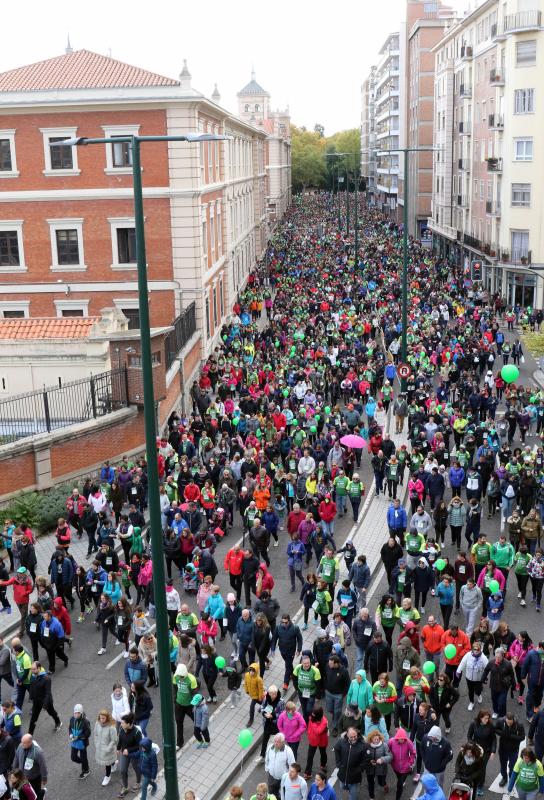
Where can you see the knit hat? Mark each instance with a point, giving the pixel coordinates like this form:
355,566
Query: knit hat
435,733
320,633
78,708
181,671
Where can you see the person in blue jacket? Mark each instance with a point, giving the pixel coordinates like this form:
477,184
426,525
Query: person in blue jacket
432,788
135,669
149,767
495,608
397,520
96,579
321,788
61,570
533,669
52,639
216,608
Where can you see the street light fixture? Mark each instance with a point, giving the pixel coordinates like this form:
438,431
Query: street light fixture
161,616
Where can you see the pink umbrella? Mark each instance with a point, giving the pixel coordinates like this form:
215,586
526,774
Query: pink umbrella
352,440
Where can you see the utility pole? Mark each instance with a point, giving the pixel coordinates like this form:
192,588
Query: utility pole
356,224
347,203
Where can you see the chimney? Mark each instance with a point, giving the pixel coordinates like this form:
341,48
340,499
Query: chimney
185,77
216,97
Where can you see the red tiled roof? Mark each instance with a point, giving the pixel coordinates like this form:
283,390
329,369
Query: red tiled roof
81,69
46,328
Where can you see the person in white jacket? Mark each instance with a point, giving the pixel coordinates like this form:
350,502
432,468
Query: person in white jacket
119,704
470,600
279,758
473,665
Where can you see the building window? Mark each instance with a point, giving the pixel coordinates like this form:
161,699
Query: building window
524,101
59,160
14,309
9,249
204,238
221,298
126,245
214,294
133,316
67,245
526,53
521,194
523,149
72,312
520,245
11,246
119,154
72,308
208,326
8,164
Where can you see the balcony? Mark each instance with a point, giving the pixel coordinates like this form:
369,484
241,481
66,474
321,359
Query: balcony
472,241
464,164
521,257
466,52
496,122
497,33
494,164
490,250
496,77
465,90
462,201
493,208
465,127
523,21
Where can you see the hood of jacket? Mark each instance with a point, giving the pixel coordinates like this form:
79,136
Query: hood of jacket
257,669
430,783
146,744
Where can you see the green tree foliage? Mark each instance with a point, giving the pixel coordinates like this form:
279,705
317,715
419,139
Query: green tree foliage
313,161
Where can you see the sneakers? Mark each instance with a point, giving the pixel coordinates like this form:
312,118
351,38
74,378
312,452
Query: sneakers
90,610
276,544
470,706
125,654
123,792
58,726
416,777
285,686
84,775
422,609
259,760
502,781
106,779
101,651
81,618
494,715
522,603
118,643
304,626
519,595
538,608
480,699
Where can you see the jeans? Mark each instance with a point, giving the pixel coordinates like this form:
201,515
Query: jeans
352,790
341,503
306,706
359,657
534,699
526,795
507,506
334,703
355,503
142,724
507,763
328,527
498,701
288,659
146,782
125,762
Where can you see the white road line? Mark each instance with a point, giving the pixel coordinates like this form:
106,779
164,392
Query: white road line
120,656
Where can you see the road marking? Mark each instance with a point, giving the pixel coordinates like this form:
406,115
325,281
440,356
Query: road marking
120,656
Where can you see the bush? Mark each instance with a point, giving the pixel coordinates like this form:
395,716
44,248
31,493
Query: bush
24,508
534,343
39,510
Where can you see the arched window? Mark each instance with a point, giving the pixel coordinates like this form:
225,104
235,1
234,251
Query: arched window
257,107
247,107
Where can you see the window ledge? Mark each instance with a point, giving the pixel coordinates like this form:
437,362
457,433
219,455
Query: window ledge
118,170
53,173
68,268
14,269
119,267
9,173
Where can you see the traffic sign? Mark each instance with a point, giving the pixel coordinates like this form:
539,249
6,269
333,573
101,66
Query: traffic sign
404,370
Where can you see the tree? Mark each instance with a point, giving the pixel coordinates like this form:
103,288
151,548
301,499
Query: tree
312,161
319,129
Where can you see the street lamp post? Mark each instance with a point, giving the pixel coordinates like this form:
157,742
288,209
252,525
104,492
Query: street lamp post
347,203
161,616
356,224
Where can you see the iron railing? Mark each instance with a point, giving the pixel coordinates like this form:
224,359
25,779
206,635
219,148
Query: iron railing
184,328
61,406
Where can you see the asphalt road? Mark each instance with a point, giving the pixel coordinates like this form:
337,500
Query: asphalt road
89,678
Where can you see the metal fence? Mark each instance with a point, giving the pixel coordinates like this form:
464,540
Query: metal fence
60,406
184,328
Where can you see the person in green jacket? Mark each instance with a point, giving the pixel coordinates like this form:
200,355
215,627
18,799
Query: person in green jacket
261,793
341,484
385,697
502,553
521,559
360,691
527,776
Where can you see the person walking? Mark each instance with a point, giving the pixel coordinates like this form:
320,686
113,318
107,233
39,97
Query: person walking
41,696
79,732
105,743
527,776
318,737
352,756
279,758
149,767
30,759
511,734
288,638
403,752
128,750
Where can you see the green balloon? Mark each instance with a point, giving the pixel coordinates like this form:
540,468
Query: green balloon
235,421
450,651
295,423
440,564
494,587
327,409
510,373
302,412
258,433
429,667
245,737
220,662
317,417
286,392
313,428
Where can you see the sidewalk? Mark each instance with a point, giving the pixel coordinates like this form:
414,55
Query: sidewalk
45,547
209,773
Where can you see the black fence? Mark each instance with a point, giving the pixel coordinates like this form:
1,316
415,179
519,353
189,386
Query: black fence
184,328
60,406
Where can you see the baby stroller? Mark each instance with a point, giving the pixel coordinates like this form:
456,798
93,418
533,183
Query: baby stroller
460,790
190,578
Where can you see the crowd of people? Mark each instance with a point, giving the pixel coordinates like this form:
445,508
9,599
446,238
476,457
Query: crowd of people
311,355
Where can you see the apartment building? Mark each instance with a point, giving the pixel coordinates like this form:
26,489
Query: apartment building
389,84
424,26
368,135
486,205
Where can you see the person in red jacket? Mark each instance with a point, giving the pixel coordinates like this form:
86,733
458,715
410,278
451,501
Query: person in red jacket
294,518
22,589
461,642
192,492
60,612
63,534
233,565
318,736
327,513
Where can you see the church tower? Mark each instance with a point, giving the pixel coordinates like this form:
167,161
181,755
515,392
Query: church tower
253,102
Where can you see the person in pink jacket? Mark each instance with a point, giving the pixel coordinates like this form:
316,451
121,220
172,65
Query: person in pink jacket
490,573
517,653
291,723
404,756
145,576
